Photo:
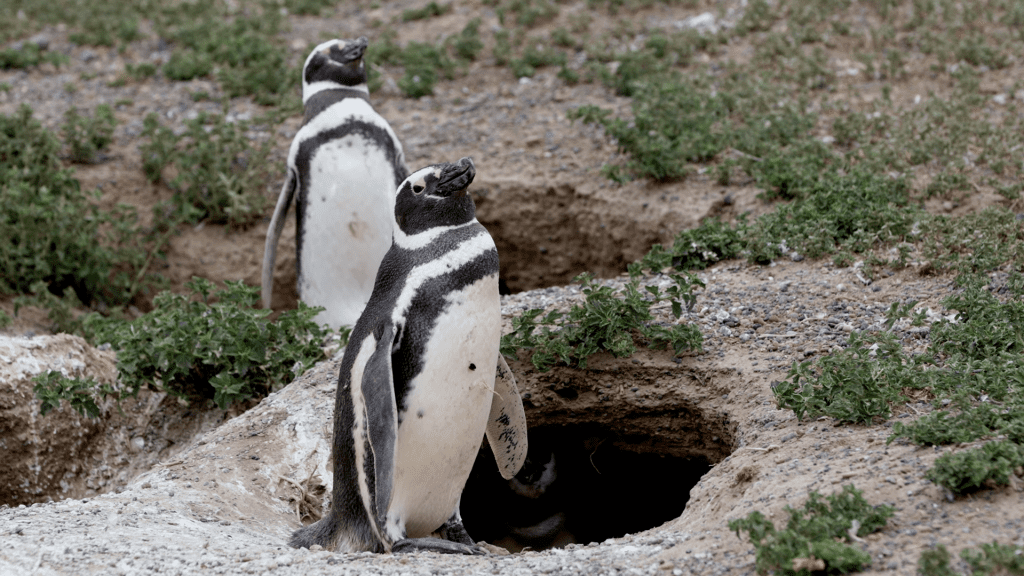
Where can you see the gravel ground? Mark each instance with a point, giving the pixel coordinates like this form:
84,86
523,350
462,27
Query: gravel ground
185,517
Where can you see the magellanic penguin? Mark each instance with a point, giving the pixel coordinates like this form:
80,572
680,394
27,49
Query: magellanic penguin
422,380
344,166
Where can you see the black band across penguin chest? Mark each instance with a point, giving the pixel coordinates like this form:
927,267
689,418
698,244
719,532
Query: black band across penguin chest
371,134
430,301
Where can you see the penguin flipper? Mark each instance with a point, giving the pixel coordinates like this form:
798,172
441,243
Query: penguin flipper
284,201
378,392
506,424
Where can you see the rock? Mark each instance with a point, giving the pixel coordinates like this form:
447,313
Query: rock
40,40
704,22
40,453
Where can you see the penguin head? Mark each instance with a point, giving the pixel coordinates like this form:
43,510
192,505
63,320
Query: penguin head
536,476
437,195
335,64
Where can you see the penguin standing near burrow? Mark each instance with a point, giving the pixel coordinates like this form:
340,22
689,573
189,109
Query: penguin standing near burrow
344,166
422,380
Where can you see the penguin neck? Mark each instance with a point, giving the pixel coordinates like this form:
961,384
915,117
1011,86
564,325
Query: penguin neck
420,239
322,99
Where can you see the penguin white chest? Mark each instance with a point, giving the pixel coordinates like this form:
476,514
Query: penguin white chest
346,227
446,409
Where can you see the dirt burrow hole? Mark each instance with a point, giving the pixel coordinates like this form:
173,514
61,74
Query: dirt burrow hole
595,474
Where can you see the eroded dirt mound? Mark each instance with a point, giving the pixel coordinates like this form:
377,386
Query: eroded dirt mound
66,455
45,456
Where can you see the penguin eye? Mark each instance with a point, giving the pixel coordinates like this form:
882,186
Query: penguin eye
417,189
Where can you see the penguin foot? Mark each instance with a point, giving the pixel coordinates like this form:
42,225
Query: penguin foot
436,545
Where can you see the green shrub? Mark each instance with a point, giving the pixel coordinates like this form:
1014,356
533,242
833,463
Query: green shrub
814,533
187,64
606,321
850,385
832,213
221,173
29,55
502,51
935,562
854,211
250,64
430,10
308,7
672,125
535,56
140,71
985,327
528,13
50,232
226,351
467,43
970,470
103,24
710,242
975,51
970,424
88,135
757,17
424,64
52,387
995,558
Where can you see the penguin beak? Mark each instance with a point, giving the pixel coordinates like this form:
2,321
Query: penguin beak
354,50
456,178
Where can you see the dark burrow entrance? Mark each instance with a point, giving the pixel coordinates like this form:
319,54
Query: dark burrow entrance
581,483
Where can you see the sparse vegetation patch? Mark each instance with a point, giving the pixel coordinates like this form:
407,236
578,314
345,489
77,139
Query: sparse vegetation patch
88,135
50,231
219,169
219,348
819,537
607,320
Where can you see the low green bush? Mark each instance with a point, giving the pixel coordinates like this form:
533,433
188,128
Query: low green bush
535,56
140,71
820,531
221,173
429,11
971,470
88,135
467,43
188,64
995,558
424,65
225,351
607,320
249,62
27,56
51,232
858,384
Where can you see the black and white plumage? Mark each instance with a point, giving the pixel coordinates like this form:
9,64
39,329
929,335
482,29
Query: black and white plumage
422,380
344,166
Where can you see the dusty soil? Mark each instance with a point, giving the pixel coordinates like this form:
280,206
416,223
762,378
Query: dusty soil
235,492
